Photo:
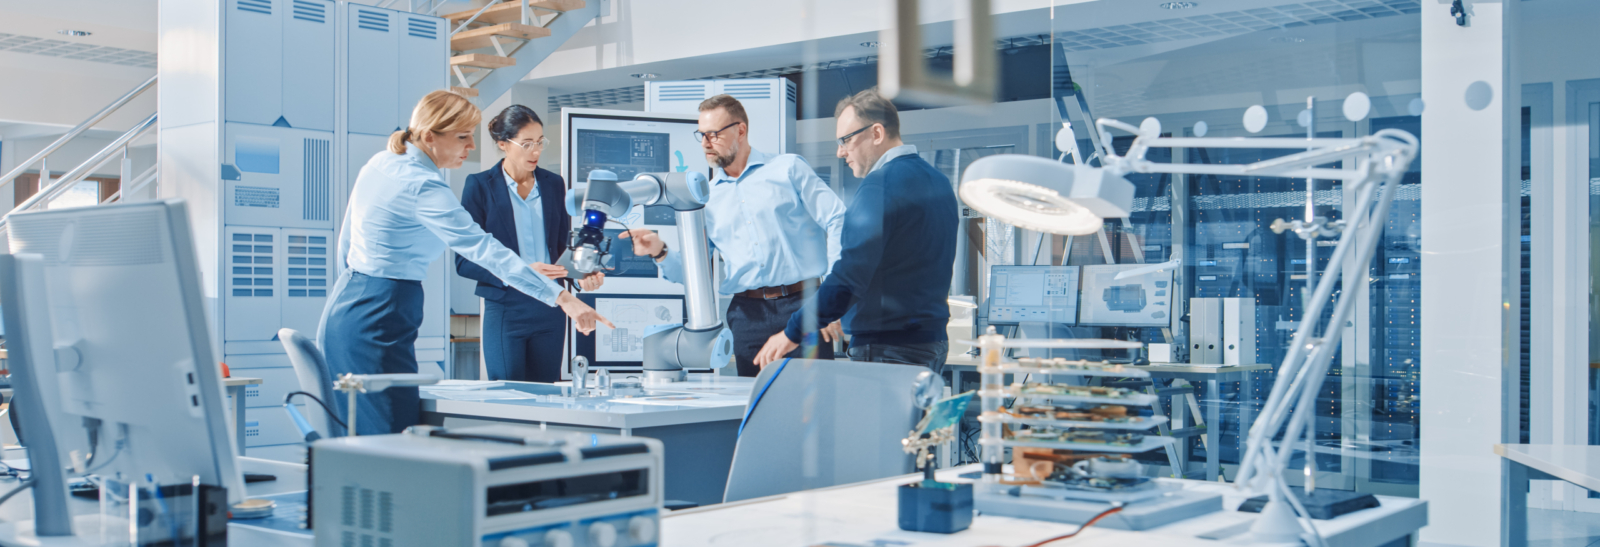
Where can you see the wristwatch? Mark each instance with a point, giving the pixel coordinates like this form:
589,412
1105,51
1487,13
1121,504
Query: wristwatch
662,253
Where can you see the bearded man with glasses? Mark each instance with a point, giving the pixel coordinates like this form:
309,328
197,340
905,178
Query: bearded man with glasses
775,223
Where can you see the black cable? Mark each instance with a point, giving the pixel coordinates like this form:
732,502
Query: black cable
26,484
331,414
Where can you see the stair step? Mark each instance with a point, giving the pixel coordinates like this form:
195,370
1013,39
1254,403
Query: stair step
482,60
465,91
478,38
511,11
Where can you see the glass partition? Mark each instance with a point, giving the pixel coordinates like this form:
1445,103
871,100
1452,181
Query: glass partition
1198,71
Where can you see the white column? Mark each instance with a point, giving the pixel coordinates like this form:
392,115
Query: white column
1471,178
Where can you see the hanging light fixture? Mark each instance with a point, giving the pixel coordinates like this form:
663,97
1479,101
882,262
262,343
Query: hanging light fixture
1045,196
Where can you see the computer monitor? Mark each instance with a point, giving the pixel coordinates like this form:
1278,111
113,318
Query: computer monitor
49,435
1138,301
130,342
630,143
1047,294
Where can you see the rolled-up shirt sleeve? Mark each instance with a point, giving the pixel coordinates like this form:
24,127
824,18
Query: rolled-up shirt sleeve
440,213
823,205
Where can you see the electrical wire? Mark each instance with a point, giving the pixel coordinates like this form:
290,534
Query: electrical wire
331,414
26,484
1086,525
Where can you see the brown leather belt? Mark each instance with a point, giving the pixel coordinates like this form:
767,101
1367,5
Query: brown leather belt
771,293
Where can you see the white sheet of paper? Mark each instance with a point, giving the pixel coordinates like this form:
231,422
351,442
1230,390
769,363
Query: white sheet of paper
486,395
632,316
463,385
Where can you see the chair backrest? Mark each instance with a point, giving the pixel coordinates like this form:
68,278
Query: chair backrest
311,370
818,423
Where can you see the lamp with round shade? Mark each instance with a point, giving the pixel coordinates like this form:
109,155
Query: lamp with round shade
1045,196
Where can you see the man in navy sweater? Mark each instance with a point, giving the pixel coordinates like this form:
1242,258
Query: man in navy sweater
892,279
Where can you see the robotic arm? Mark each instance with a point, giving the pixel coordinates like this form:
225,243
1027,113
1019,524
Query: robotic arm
701,341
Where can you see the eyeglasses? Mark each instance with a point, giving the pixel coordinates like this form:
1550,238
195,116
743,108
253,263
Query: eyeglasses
701,136
845,140
532,145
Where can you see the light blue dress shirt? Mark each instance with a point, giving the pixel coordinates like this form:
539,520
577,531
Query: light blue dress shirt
528,215
402,215
892,153
776,224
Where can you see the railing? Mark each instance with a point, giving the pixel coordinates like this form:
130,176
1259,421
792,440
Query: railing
132,188
83,170
42,158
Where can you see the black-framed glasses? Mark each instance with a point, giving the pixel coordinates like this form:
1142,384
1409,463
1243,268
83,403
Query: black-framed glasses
532,145
846,139
701,136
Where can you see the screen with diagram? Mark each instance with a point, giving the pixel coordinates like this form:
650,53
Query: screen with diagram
632,314
1033,293
1138,301
629,145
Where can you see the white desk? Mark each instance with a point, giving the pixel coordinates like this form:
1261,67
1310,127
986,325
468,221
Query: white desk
1577,464
699,437
864,513
236,386
1212,376
19,510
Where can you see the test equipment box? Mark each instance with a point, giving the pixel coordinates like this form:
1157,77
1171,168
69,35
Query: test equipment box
489,486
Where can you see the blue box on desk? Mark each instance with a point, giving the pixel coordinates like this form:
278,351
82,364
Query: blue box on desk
938,507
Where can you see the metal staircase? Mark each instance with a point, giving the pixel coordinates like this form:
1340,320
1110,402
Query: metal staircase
489,41
49,188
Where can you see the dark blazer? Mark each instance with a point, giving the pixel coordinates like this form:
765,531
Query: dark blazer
487,199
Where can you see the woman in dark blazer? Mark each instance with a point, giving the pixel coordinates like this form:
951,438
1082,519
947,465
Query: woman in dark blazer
521,205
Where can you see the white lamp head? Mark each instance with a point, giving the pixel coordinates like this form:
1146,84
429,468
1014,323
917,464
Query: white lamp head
1045,196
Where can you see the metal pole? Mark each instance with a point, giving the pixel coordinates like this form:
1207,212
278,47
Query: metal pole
1311,284
352,415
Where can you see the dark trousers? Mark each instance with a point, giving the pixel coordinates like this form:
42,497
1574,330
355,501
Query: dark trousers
522,339
929,354
370,327
754,320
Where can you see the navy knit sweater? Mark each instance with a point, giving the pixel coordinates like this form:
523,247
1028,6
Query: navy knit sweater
891,282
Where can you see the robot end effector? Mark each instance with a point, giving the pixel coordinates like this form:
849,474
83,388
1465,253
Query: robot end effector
700,340
603,198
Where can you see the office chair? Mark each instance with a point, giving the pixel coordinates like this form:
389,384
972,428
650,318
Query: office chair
815,423
310,369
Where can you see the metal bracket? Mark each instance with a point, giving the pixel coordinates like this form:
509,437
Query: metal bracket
901,70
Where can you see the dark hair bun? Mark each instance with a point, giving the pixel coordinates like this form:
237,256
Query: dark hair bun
511,121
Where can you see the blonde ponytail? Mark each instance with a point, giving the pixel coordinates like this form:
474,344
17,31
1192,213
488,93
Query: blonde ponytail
397,141
439,112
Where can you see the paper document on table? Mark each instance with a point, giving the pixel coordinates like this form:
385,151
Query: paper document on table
463,385
488,395
631,316
701,401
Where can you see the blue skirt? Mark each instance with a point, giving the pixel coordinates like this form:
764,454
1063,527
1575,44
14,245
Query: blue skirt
370,327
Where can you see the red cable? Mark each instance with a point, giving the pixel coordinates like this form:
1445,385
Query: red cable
1080,530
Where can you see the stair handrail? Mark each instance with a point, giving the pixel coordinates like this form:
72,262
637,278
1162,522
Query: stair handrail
139,182
74,132
83,170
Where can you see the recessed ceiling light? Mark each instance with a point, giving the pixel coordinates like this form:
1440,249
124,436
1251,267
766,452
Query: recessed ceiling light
1286,39
70,32
1179,5
869,44
645,75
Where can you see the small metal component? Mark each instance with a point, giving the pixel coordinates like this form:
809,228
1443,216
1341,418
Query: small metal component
580,375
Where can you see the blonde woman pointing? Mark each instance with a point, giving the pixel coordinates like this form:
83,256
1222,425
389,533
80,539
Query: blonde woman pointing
402,215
